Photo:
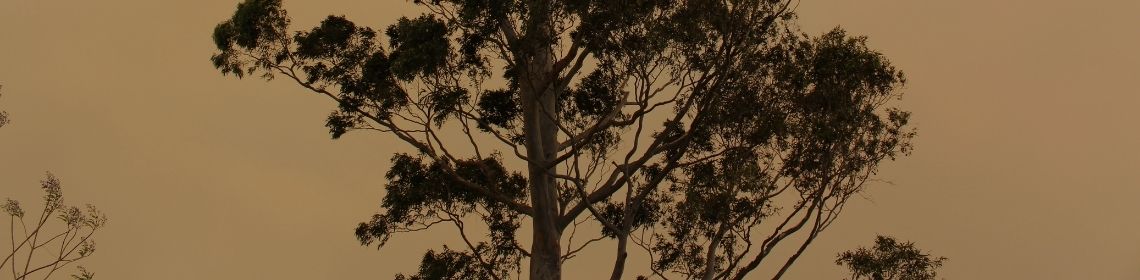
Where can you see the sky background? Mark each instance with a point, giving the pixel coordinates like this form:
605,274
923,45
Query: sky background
1025,164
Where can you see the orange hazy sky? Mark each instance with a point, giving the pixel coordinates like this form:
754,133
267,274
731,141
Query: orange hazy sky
1026,164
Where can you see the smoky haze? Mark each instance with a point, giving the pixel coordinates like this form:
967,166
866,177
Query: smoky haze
1025,164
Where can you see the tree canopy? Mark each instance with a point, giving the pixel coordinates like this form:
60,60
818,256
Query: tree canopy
890,259
704,132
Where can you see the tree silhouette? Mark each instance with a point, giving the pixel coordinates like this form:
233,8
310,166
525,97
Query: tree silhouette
682,127
3,114
36,252
890,260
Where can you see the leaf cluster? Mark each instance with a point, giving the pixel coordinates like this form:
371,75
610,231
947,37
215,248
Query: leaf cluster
890,259
419,195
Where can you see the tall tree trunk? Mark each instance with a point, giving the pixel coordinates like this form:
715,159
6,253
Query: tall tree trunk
539,101
541,145
539,112
546,252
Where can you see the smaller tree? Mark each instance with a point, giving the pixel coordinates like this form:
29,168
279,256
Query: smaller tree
3,114
890,260
35,251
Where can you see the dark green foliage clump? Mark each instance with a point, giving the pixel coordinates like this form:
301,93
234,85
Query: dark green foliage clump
447,102
447,265
644,214
499,108
325,40
336,54
419,46
417,190
597,94
890,260
255,25
421,194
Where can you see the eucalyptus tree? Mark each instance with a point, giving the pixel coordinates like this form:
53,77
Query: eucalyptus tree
890,259
704,132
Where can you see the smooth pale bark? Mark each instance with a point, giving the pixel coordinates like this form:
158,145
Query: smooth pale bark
539,98
540,129
545,261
